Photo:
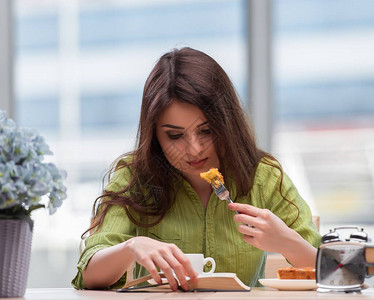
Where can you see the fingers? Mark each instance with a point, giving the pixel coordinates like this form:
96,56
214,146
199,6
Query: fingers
169,259
151,267
167,270
245,219
185,264
248,230
246,209
251,215
182,266
177,269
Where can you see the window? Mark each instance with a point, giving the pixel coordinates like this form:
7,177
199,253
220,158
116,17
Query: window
324,91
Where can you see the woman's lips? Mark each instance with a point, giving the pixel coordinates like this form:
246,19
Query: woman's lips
197,163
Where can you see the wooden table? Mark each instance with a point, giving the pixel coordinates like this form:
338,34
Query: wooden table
255,293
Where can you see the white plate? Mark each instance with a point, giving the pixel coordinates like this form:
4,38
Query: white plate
289,284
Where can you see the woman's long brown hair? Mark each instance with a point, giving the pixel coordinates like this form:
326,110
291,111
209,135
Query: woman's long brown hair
193,77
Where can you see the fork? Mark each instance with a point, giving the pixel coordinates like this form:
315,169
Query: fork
222,192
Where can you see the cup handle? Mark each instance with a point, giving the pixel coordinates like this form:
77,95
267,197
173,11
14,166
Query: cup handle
213,268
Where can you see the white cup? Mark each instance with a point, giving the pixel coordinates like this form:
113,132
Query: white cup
198,262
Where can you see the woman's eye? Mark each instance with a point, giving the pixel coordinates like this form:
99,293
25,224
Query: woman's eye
205,131
175,136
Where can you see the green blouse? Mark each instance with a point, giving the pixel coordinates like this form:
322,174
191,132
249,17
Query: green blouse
210,231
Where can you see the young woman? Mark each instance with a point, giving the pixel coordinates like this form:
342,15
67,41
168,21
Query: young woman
156,207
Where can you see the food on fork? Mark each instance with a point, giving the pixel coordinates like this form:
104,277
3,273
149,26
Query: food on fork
213,176
296,273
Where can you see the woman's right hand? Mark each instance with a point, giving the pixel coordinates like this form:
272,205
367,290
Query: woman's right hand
167,257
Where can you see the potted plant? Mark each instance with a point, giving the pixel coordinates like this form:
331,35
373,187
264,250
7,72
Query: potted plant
26,183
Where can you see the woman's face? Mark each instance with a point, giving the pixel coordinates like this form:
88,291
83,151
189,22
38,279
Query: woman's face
186,139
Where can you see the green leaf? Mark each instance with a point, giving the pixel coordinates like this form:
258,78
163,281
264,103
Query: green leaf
33,207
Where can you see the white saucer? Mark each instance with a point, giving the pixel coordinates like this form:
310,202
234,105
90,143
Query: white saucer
289,284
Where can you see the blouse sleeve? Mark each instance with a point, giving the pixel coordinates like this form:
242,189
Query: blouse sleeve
116,228
295,212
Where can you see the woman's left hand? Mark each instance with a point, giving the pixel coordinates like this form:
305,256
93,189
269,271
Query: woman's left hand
265,230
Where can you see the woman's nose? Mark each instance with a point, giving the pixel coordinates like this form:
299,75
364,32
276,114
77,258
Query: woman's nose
194,146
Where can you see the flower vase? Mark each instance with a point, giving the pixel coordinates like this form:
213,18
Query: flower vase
15,250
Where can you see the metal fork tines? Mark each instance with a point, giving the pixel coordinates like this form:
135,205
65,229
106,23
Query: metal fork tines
222,192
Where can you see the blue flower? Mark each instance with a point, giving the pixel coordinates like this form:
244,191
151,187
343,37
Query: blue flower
26,182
